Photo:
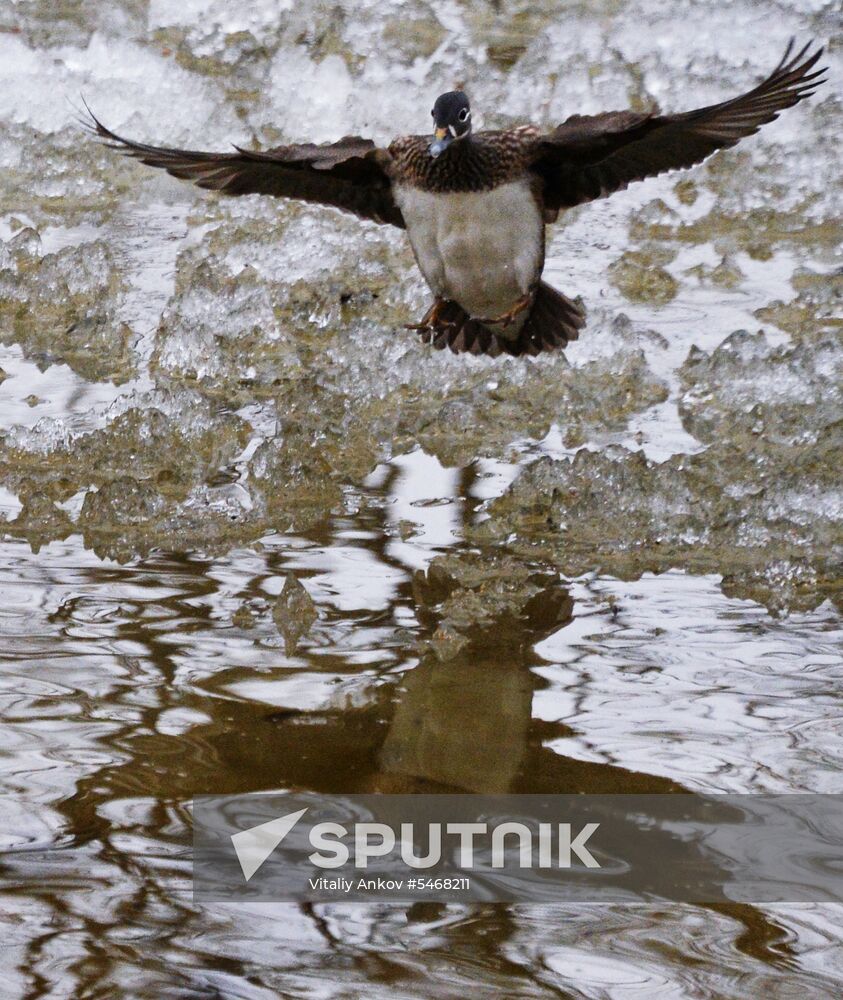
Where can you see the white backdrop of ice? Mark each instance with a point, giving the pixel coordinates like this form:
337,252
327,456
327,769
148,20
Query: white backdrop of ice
128,84
231,17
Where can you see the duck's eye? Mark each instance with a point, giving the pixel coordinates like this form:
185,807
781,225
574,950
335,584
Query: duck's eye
432,114
464,115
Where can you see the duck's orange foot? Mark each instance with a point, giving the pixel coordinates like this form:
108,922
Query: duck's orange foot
432,319
511,315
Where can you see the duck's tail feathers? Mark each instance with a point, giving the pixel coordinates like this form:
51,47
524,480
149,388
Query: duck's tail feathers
553,322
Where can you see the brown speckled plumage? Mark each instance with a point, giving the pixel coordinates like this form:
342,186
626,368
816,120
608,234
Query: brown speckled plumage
475,205
479,163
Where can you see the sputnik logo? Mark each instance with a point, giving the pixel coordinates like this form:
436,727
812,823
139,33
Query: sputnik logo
253,846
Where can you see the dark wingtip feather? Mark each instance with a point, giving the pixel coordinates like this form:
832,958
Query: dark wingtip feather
79,115
93,126
798,67
787,51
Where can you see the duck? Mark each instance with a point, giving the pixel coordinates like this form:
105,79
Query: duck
475,205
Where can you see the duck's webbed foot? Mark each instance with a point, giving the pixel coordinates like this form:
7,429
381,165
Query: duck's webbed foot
511,315
433,319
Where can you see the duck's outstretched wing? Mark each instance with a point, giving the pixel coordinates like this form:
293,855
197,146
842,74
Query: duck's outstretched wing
350,174
590,156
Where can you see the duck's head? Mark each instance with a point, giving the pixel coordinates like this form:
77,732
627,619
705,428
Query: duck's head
451,121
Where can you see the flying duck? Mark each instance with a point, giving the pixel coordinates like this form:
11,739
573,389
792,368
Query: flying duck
475,204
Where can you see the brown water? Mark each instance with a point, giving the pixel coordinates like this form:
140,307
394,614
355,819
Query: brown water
616,572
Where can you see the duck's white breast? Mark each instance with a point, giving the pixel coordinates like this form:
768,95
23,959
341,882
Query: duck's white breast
482,249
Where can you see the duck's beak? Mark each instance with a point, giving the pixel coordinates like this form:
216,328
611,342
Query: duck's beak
442,138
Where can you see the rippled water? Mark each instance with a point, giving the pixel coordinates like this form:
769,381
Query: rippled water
615,573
